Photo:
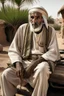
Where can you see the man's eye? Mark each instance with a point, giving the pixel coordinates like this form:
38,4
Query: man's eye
36,17
32,17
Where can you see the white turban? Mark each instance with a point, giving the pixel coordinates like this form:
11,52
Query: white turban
42,11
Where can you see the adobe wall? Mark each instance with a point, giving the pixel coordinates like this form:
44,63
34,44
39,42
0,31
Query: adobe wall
2,35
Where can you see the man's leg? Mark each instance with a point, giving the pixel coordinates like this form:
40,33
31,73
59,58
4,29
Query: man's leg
40,79
9,81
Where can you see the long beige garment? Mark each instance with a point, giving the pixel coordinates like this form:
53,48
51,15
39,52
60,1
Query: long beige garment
39,81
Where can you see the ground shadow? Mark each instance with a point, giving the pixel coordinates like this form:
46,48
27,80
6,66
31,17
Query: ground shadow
4,52
55,92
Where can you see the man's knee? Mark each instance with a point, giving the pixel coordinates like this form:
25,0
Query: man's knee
6,73
44,69
43,66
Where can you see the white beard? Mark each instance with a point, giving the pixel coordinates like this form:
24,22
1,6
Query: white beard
35,29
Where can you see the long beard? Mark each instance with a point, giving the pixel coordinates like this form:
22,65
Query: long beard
35,29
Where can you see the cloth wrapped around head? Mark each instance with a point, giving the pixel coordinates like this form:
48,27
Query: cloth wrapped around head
42,11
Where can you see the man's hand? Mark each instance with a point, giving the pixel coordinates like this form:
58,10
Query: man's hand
30,69
19,69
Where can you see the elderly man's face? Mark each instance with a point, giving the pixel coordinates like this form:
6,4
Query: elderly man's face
36,19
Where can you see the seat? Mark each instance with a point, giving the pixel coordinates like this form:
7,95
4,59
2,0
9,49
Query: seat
57,77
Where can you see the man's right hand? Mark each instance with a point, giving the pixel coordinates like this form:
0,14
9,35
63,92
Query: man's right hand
19,69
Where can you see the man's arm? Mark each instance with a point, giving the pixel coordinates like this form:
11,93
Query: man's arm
30,70
14,51
52,53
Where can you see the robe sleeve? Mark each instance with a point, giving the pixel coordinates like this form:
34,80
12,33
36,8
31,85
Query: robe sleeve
15,49
53,49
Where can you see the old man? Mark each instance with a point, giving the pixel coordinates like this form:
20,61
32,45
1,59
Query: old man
31,51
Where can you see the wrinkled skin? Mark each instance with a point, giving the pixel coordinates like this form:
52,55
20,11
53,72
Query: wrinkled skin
36,19
19,70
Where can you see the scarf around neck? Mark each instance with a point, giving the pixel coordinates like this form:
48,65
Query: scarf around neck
42,41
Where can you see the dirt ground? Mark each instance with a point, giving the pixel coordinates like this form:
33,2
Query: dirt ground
4,56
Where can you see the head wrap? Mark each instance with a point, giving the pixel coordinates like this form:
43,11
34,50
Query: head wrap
42,11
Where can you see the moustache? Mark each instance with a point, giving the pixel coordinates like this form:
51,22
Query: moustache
35,25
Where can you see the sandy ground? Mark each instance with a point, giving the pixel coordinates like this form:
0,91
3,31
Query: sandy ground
4,57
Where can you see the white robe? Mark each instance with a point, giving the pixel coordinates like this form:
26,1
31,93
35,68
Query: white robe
39,80
15,50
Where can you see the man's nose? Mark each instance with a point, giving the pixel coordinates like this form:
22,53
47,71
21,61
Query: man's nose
34,20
